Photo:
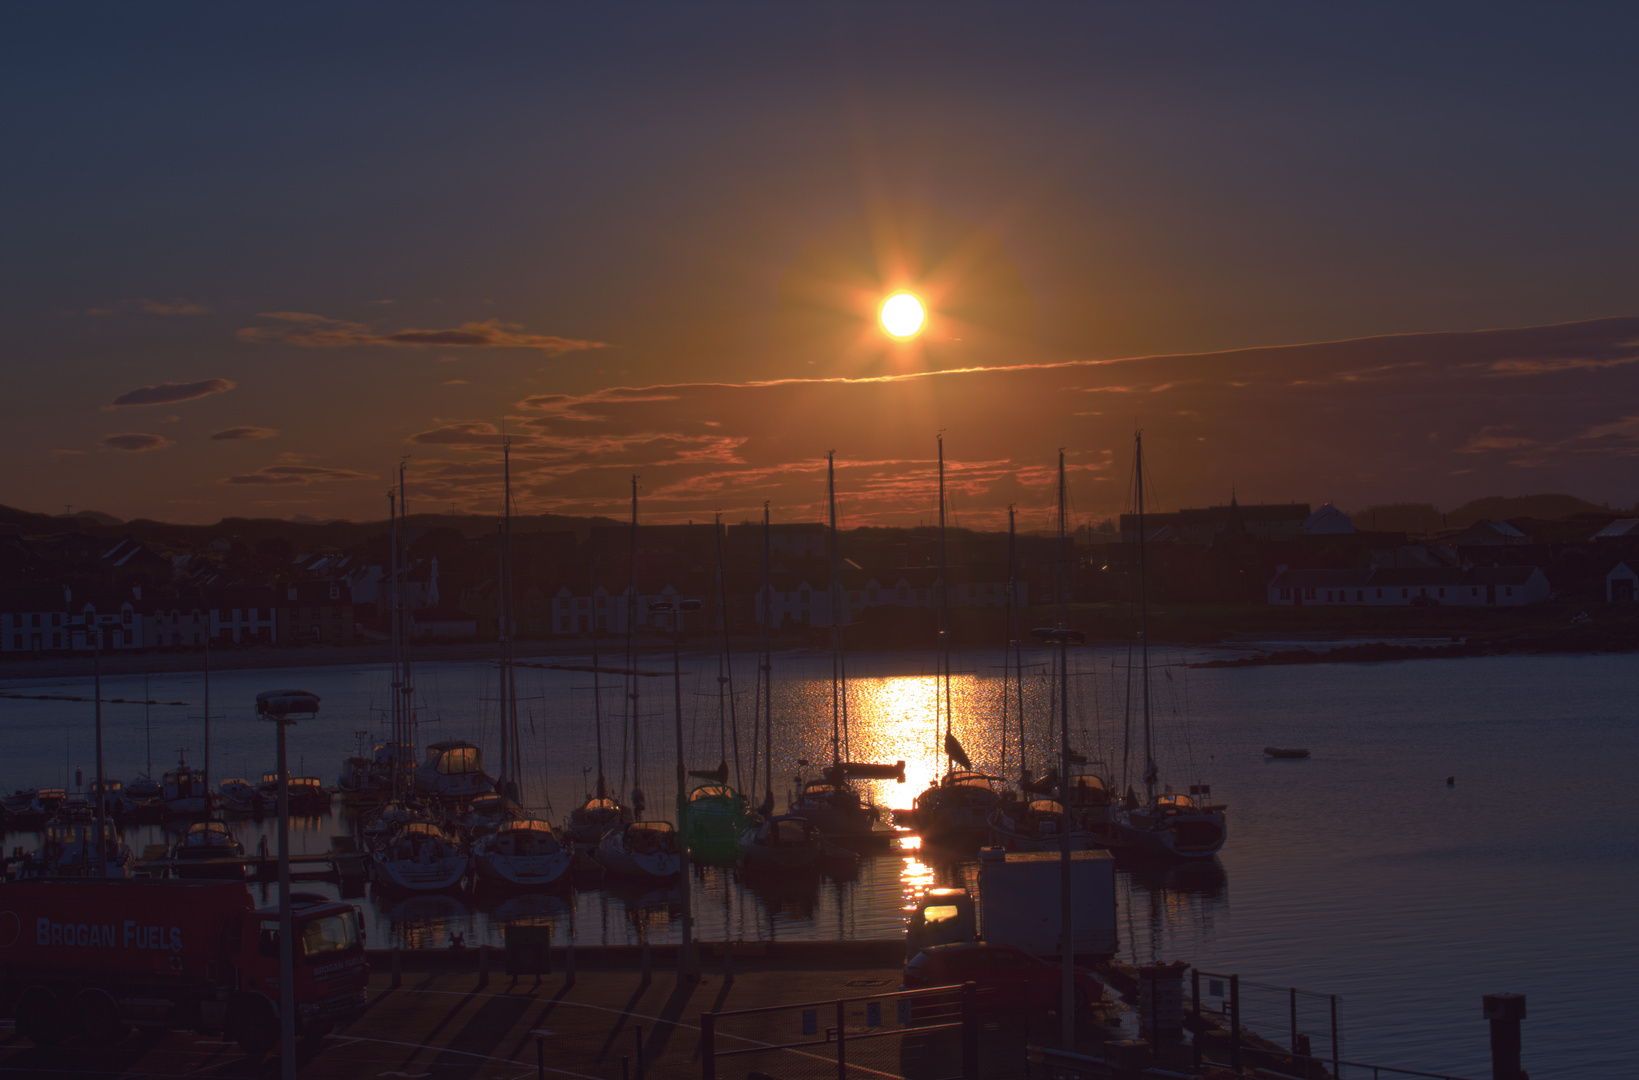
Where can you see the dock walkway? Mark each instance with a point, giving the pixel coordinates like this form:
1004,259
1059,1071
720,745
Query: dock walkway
444,1022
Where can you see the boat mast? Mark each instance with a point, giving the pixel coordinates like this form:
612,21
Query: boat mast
631,662
597,676
1143,626
1066,907
836,604
407,715
944,608
1018,646
511,752
725,664
396,647
768,670
206,771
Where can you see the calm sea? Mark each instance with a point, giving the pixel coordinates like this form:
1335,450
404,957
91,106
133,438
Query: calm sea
1358,872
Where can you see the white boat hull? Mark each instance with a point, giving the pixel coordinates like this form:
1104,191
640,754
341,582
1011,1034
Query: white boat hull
419,875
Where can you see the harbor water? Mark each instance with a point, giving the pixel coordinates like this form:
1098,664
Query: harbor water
1358,872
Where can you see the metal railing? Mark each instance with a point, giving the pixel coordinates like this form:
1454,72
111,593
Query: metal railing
839,1036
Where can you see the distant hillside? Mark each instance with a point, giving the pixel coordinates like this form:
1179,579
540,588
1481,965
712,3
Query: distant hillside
301,534
1541,507
1419,519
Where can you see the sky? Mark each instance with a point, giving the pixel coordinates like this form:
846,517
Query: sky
253,257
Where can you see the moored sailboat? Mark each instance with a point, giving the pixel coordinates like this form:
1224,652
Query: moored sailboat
1165,823
640,849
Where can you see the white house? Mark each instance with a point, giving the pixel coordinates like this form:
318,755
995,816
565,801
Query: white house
1475,586
1619,584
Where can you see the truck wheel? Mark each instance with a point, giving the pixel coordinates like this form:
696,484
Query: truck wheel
253,1023
99,1017
40,1017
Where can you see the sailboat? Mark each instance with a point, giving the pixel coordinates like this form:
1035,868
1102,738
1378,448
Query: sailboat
1044,817
640,849
718,813
185,794
832,803
1165,823
421,857
958,806
593,819
521,850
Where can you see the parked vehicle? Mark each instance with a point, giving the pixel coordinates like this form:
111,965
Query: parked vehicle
1007,977
90,957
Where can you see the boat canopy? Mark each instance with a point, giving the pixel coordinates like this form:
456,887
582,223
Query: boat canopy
712,791
519,825
1173,801
454,758
970,779
1045,806
207,834
598,804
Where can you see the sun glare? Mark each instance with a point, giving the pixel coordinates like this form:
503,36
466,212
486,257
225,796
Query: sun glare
902,315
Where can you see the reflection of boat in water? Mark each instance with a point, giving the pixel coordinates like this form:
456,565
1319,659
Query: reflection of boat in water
1203,878
70,850
523,852
421,857
527,907
643,849
421,907
196,853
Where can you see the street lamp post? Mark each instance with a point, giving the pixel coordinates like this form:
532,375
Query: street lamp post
685,952
281,707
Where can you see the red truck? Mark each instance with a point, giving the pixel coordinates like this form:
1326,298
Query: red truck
91,957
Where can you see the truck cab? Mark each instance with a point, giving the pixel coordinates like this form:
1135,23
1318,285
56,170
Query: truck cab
330,969
939,917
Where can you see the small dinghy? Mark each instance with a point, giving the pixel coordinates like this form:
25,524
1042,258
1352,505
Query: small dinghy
1285,752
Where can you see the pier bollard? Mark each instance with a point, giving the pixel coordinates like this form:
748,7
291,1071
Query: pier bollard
648,965
728,961
639,1041
398,967
483,966
569,965
625,1067
1505,1011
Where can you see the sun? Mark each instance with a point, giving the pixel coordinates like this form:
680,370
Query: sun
902,315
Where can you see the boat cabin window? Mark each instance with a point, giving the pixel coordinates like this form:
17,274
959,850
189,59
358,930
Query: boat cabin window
710,791
1045,806
939,913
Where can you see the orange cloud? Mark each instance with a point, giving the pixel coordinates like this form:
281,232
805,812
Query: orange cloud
135,442
234,434
170,393
294,475
320,332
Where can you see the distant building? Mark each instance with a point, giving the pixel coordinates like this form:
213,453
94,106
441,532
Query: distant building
1624,529
1263,521
1620,584
1491,534
1475,586
1327,521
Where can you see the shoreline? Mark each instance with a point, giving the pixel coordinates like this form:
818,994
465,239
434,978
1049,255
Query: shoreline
1575,640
